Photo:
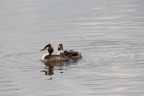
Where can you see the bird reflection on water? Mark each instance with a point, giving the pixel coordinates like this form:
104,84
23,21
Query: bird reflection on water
50,67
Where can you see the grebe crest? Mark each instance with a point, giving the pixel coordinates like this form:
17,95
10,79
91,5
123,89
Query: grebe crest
48,47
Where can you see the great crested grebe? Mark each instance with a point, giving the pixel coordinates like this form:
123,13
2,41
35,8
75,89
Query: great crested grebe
72,54
48,57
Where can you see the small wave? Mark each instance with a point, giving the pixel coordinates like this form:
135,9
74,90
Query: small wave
18,54
19,60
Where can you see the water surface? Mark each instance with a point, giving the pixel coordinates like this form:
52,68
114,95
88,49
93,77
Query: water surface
109,33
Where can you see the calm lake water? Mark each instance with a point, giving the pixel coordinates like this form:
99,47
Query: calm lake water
108,33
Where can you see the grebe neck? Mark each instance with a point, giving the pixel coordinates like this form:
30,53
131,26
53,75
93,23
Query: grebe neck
59,52
43,57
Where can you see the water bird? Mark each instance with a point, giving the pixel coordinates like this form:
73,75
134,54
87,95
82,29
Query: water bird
72,54
48,57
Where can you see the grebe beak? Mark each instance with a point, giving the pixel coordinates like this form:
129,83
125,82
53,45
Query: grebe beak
42,49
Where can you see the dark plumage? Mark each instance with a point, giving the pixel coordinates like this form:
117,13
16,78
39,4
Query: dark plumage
72,54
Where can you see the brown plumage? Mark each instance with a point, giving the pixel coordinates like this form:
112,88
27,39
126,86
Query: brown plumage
53,58
50,49
56,58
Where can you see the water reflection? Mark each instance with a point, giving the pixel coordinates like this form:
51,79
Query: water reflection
50,67
49,70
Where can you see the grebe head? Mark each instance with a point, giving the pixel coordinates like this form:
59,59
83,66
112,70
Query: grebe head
60,49
48,47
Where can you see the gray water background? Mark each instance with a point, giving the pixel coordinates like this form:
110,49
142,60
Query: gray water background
108,33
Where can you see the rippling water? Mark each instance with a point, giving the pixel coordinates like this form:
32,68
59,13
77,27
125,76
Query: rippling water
109,33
